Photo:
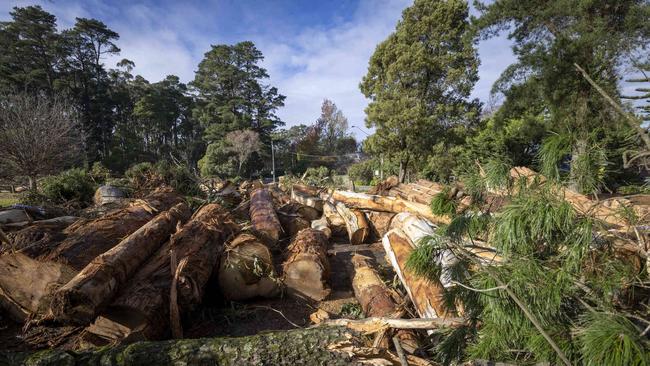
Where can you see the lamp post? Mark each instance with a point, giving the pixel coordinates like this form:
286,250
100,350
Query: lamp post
381,155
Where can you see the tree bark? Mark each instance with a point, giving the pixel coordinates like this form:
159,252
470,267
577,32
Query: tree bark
306,199
199,244
90,239
80,300
265,222
376,299
306,270
247,270
386,204
313,346
355,222
427,295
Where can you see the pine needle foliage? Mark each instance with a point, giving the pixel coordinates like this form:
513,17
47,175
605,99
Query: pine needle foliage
555,149
611,339
497,173
443,204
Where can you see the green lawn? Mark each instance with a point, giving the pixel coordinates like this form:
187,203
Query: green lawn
7,199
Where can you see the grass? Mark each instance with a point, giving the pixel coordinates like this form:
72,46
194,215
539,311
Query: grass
8,199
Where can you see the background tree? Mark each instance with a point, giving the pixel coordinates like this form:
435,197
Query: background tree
242,144
38,135
550,37
419,80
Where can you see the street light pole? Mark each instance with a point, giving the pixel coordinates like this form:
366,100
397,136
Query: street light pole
273,160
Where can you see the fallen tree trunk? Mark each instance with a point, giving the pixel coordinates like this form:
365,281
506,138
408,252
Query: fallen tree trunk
199,245
336,222
355,222
26,285
387,204
379,223
427,295
333,346
86,241
306,271
35,241
265,222
61,221
246,270
307,199
80,299
295,217
377,300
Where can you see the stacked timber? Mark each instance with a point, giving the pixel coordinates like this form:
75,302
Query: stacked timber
306,271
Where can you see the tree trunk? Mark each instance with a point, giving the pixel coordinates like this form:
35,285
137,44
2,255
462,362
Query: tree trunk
199,245
80,299
402,172
307,200
579,149
265,222
386,204
376,299
379,223
427,295
26,285
306,270
90,239
323,226
336,222
355,222
246,270
313,346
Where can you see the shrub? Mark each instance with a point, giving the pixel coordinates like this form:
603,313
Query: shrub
71,185
100,173
362,173
148,176
317,176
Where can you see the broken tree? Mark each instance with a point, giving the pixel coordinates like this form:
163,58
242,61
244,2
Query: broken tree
80,299
263,217
306,271
246,270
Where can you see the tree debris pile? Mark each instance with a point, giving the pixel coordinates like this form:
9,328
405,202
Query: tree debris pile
467,271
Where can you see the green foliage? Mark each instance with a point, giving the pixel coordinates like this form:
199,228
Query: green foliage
419,80
71,185
351,310
148,176
443,204
611,339
422,260
99,173
362,173
497,173
554,151
317,176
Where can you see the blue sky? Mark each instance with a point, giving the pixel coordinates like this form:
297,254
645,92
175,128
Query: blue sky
313,49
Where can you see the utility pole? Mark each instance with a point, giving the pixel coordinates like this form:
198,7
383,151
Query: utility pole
273,159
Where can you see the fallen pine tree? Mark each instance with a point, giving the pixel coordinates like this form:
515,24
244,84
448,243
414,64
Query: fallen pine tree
326,345
91,289
263,217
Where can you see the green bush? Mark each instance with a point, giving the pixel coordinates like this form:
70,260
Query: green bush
100,173
148,176
362,173
71,185
317,176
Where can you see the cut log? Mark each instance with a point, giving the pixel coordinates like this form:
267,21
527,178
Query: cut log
265,222
35,241
427,295
90,239
332,346
246,270
379,223
280,197
376,299
308,190
307,199
336,222
292,223
26,285
355,222
387,204
322,225
309,213
199,244
80,299
306,270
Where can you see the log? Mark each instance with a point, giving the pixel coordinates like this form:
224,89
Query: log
332,345
355,222
306,199
292,223
375,324
376,299
306,212
336,222
247,270
323,226
265,222
306,271
199,244
26,284
35,241
379,223
386,204
61,221
80,300
427,295
305,189
86,241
